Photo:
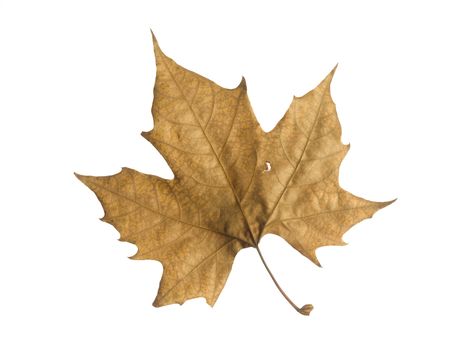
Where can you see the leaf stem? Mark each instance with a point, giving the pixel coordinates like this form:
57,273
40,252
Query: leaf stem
305,309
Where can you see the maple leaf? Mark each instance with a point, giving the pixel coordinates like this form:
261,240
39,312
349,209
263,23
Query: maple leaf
233,183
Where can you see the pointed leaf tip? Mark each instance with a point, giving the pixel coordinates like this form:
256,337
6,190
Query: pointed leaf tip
79,176
243,81
242,84
155,43
331,74
153,36
385,204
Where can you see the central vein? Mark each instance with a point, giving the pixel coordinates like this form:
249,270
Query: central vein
253,241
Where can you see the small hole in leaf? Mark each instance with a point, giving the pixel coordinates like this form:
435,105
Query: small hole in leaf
267,167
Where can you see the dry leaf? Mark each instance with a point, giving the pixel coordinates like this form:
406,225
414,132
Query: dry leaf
233,183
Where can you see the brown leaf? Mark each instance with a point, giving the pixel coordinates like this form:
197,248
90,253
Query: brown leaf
233,183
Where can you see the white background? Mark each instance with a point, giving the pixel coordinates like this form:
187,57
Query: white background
76,81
